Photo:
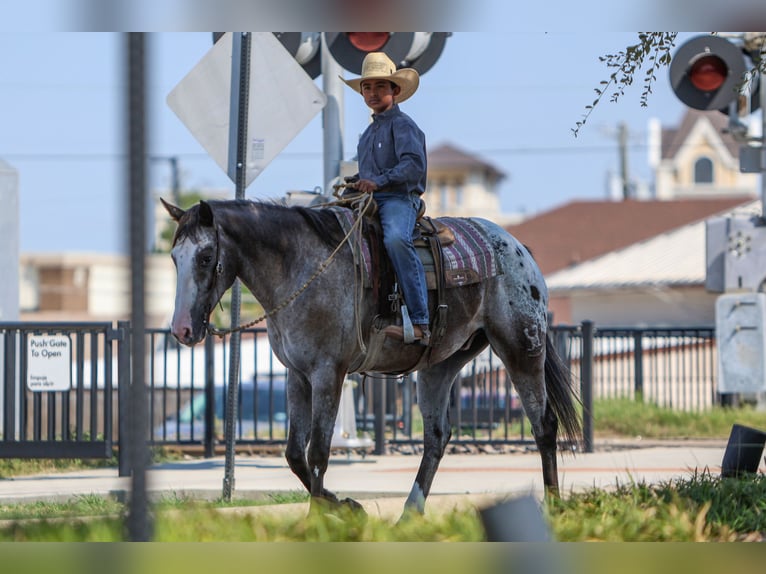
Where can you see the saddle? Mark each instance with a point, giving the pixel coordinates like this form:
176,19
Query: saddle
455,252
430,237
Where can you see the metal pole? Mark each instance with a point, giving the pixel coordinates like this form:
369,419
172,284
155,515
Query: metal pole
139,521
240,84
638,365
209,438
332,117
123,397
379,409
761,397
586,385
763,138
623,144
175,180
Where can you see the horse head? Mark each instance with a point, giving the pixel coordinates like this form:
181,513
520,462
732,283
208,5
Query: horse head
202,273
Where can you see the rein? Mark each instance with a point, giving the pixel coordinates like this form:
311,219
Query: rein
363,205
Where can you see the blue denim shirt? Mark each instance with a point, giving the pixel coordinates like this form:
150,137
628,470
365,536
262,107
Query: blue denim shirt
392,152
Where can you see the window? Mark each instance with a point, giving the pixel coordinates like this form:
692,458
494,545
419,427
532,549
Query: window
443,198
703,170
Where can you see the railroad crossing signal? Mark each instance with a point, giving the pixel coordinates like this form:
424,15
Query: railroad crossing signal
707,72
419,50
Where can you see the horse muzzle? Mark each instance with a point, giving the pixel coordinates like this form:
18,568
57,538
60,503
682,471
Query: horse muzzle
188,332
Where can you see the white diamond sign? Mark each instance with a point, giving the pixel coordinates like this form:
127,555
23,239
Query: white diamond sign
283,100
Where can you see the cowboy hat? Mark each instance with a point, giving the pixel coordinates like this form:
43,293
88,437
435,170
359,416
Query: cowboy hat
378,66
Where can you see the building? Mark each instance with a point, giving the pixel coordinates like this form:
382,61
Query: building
461,184
92,287
698,158
696,177
656,282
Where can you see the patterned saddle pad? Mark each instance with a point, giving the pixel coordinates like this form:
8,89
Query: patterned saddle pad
469,259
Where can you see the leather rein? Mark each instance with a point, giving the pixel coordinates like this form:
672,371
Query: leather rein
363,205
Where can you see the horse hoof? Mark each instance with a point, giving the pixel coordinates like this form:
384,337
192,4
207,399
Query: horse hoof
327,505
353,505
409,513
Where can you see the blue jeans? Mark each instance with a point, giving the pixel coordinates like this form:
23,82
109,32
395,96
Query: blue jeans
397,213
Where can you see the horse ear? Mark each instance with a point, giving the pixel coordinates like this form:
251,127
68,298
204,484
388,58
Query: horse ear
205,214
175,212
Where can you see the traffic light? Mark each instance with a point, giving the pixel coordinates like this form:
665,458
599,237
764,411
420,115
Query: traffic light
419,50
707,72
303,46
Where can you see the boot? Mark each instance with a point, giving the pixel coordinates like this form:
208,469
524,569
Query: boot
422,334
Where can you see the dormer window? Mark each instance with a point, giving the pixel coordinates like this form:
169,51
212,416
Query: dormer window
703,170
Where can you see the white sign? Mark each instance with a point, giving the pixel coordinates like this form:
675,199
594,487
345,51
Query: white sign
283,100
49,363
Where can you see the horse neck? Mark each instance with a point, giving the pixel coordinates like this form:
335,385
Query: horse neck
273,244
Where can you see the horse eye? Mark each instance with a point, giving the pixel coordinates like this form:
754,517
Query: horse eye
205,260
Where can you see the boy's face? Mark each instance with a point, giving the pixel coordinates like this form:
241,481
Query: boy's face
379,94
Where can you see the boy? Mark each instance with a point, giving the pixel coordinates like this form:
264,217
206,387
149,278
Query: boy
392,166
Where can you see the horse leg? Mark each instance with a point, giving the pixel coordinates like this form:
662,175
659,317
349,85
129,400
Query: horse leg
299,404
528,376
434,386
299,407
326,389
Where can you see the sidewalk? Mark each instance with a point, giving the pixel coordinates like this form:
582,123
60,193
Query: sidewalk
386,480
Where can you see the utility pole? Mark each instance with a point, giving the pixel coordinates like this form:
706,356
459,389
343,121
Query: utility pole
622,138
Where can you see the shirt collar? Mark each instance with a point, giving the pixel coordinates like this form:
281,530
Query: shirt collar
389,112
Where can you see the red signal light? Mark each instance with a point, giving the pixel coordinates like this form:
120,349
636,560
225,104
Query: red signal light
368,41
708,73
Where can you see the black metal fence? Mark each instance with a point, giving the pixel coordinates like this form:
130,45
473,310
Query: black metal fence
58,398
670,367
673,367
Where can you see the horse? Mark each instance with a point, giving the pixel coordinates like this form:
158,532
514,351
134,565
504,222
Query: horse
277,250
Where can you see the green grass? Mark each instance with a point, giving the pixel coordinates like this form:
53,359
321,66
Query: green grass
626,418
701,507
13,467
86,505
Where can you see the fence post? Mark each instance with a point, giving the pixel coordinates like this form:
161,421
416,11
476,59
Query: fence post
123,397
9,385
209,438
379,409
586,385
638,358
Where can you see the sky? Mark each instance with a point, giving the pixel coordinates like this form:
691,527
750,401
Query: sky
511,98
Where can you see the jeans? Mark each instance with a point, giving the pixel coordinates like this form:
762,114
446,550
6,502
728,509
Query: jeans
397,213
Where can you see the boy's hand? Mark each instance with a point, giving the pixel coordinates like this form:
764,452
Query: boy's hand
366,186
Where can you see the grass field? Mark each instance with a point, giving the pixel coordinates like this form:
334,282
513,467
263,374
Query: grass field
702,507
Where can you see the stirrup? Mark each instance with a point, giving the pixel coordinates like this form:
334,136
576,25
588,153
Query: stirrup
407,328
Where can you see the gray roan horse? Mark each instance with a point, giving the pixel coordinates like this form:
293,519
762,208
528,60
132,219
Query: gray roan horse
275,249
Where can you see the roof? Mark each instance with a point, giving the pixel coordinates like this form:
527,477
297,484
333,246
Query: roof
673,139
448,156
675,257
581,230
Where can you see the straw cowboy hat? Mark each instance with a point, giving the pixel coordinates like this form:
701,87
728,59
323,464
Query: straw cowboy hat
378,66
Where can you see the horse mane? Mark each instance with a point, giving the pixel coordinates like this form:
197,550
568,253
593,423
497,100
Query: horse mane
322,221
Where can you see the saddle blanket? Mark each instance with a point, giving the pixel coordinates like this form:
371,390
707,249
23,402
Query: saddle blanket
469,259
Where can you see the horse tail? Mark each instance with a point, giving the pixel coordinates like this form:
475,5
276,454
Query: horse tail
561,396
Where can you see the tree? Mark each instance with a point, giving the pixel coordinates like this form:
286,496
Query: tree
652,49
653,52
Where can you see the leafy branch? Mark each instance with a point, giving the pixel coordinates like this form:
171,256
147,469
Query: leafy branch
755,45
652,49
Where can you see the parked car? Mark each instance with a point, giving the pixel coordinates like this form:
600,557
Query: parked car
262,414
